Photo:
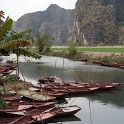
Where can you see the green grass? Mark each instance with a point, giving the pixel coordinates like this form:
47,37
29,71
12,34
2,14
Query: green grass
94,49
58,48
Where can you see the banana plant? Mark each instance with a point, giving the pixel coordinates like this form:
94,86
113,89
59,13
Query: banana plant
15,42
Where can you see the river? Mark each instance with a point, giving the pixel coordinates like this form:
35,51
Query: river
103,107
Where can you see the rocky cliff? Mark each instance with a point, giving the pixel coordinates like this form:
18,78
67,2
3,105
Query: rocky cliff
93,22
99,21
55,21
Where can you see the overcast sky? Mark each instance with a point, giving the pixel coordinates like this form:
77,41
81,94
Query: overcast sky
16,8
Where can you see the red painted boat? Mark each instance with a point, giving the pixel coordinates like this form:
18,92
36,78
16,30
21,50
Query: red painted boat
122,67
111,64
97,62
34,104
6,72
59,111
63,87
7,67
40,118
50,85
62,111
66,111
78,84
7,120
59,86
105,86
11,108
51,79
10,97
101,85
3,69
66,88
10,66
76,90
50,93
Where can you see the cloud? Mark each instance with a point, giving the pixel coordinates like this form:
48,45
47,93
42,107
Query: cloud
16,8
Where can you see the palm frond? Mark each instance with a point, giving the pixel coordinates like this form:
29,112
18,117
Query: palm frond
14,44
16,36
5,28
25,52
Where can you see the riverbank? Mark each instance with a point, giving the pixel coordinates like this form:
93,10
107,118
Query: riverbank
13,82
91,56
96,55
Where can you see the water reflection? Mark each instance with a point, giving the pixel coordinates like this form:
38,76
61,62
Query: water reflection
114,97
102,107
69,119
70,70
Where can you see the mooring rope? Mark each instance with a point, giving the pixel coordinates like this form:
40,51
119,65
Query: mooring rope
90,112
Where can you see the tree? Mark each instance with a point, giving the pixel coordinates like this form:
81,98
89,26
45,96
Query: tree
12,42
71,47
44,42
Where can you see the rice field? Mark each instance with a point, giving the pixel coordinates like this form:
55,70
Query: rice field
109,49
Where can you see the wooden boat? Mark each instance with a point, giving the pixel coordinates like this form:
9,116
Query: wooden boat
105,86
77,84
122,67
59,111
7,120
101,85
111,64
34,104
36,96
66,111
10,97
64,86
40,118
49,86
97,62
7,67
76,90
2,69
51,79
11,108
10,66
6,72
50,93
79,87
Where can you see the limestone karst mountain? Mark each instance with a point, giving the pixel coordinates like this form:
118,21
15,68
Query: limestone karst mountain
92,22
99,22
56,21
